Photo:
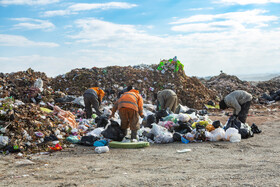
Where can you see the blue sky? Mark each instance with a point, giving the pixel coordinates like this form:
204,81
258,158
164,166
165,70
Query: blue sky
55,36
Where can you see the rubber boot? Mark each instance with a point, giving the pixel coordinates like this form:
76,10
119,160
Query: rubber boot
134,135
124,132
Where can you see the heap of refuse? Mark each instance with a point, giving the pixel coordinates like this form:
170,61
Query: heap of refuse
271,90
39,114
149,79
224,84
17,84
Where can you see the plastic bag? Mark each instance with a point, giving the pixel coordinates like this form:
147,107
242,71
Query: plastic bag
229,132
4,140
235,138
216,135
113,131
184,117
158,130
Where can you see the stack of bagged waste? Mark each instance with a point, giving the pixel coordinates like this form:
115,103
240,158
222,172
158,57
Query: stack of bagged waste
192,126
224,84
148,78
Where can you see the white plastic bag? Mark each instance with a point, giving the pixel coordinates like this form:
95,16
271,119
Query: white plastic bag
39,84
4,140
229,132
215,135
235,138
184,117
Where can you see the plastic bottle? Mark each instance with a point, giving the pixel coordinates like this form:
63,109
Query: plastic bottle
102,149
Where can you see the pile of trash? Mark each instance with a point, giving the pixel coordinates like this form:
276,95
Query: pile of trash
192,126
39,114
271,91
224,84
149,79
17,84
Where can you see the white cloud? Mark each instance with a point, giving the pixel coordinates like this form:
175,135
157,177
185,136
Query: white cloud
104,43
20,41
31,24
75,8
27,2
197,9
102,6
52,13
232,20
234,51
99,33
246,2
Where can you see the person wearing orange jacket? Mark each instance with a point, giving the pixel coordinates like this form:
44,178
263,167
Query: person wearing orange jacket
130,106
93,98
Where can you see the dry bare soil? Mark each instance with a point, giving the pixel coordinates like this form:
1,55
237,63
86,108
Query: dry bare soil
252,162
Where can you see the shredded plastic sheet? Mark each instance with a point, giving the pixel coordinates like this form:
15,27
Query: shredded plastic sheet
67,116
176,65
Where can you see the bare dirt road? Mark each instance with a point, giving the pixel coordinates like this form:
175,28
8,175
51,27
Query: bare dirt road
252,162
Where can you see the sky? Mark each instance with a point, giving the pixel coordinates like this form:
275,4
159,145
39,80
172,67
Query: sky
207,36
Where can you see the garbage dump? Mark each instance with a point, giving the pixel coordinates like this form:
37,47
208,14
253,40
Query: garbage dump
148,78
39,114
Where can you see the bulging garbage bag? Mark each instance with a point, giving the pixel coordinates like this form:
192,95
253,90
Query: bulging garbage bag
215,135
184,117
229,132
113,131
150,120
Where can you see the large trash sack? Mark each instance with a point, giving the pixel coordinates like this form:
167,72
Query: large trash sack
88,140
233,122
113,132
160,114
242,128
101,121
183,128
150,120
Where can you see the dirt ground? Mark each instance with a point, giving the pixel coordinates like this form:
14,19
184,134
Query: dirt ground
252,162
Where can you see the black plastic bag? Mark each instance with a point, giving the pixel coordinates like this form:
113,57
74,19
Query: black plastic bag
234,123
88,140
101,121
160,114
255,129
184,127
148,135
217,124
177,137
243,131
113,132
150,120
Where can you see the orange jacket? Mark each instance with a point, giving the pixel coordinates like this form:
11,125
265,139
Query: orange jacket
131,99
99,91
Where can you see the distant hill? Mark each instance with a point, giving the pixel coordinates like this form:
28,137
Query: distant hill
251,77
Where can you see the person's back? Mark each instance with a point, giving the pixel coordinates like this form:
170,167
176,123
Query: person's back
240,101
240,96
167,99
93,98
